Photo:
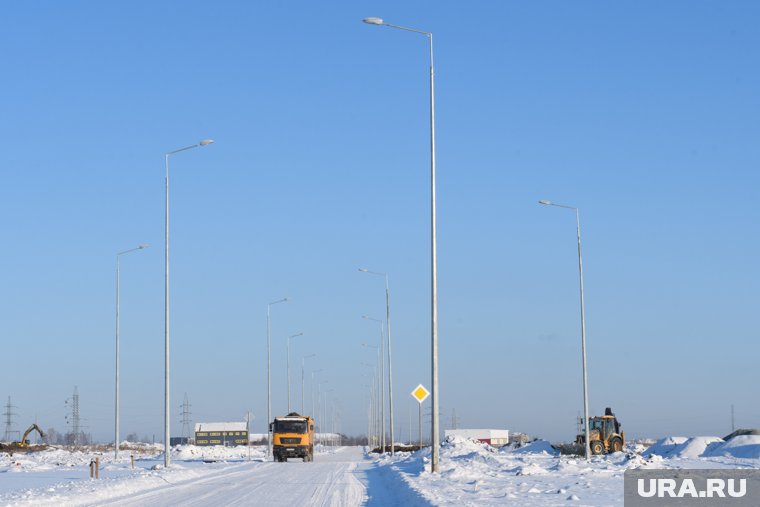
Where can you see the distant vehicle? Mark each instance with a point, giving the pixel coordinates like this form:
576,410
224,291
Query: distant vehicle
604,434
23,444
292,437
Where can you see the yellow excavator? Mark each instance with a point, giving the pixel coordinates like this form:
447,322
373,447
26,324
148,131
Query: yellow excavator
24,440
23,444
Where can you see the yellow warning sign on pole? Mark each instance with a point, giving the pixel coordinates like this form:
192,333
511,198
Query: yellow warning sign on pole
420,394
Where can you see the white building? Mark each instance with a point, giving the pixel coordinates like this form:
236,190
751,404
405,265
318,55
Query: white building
496,438
221,433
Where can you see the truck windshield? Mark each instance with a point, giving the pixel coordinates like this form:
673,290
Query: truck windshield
290,427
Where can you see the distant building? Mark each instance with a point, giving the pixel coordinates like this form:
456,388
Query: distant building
221,433
496,438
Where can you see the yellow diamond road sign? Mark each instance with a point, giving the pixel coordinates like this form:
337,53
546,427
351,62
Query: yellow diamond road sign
420,393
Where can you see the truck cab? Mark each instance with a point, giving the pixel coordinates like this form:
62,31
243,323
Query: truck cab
292,437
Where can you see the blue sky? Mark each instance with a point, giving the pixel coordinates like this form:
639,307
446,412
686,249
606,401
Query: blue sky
642,114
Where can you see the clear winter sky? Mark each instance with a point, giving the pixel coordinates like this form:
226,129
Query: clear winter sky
643,114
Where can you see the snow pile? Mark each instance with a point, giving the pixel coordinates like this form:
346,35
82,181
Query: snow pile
217,453
742,446
664,446
692,447
49,459
536,447
473,474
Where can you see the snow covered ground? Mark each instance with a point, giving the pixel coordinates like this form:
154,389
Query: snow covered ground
472,474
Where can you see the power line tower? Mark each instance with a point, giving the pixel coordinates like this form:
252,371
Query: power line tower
185,418
8,414
454,419
73,419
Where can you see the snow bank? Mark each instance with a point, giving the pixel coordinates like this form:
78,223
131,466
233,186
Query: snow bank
664,446
217,453
742,446
536,447
692,447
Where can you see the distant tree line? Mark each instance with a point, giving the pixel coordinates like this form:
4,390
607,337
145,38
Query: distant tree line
53,437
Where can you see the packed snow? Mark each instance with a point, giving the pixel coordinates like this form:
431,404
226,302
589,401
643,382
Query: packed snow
471,474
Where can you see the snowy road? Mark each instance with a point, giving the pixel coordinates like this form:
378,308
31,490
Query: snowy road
345,478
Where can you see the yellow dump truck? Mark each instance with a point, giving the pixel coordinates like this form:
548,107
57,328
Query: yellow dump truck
292,437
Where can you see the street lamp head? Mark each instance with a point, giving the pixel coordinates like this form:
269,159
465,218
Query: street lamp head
373,21
294,335
364,270
206,142
144,245
544,202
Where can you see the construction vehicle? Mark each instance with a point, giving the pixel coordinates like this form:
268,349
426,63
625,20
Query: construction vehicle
292,437
24,441
604,434
23,444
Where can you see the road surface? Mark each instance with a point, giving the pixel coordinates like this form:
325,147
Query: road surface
343,478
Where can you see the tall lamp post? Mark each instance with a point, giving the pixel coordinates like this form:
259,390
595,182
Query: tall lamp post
321,424
303,382
374,400
434,457
583,321
269,372
116,416
313,392
288,352
390,356
326,438
380,381
167,459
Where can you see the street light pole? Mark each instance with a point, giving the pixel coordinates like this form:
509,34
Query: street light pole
313,412
381,361
269,372
319,404
434,456
326,438
303,382
116,416
167,459
583,322
390,356
288,352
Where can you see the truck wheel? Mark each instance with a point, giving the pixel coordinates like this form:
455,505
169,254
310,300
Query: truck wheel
616,444
597,447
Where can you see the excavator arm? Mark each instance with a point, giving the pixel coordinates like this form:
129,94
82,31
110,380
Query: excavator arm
24,442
